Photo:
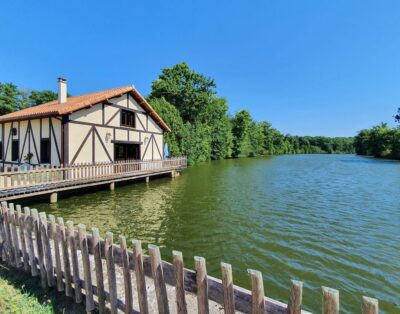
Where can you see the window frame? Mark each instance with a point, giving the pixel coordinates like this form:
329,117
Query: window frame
48,151
12,150
128,119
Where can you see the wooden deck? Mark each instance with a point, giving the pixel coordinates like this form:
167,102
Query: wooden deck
16,183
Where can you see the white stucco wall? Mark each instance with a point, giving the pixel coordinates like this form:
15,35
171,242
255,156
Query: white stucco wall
40,129
106,120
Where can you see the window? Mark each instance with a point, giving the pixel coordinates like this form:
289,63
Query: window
128,118
14,131
15,150
126,151
45,151
1,150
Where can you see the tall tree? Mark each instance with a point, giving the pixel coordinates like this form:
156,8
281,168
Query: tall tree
191,92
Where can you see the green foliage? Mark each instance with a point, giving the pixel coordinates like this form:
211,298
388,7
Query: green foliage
12,98
379,141
37,98
203,130
190,92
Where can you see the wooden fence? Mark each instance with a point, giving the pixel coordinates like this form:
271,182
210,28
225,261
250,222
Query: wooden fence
59,254
15,177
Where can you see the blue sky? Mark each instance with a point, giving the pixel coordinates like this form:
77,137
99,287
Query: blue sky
308,67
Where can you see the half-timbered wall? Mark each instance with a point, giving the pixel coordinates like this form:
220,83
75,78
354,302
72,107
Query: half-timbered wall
29,134
91,133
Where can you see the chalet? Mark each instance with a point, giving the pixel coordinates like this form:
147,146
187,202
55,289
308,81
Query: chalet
106,126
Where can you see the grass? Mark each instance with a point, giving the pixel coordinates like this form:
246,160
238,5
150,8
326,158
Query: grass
21,293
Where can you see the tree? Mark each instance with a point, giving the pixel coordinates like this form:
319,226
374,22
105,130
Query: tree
171,116
190,92
240,132
397,116
12,98
37,98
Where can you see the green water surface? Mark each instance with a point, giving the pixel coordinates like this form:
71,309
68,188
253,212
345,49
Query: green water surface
331,220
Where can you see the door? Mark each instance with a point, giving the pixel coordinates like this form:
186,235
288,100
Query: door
127,152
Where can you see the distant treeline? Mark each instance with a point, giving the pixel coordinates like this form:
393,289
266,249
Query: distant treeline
379,141
201,127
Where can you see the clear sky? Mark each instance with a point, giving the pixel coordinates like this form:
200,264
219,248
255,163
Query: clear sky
308,67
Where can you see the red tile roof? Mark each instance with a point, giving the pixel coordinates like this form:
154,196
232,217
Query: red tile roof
74,103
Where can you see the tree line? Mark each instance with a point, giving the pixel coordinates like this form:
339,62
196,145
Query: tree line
379,141
202,128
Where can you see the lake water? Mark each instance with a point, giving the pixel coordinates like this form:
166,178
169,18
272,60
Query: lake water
331,220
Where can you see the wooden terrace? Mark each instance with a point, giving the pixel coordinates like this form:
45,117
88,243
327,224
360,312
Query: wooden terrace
16,183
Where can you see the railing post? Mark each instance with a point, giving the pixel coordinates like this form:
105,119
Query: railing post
202,285
257,292
296,295
370,305
179,282
140,278
86,267
227,282
74,259
126,275
65,256
330,301
158,277
112,283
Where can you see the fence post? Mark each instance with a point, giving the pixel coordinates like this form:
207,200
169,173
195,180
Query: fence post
56,241
28,239
13,222
6,220
127,275
330,301
296,296
112,283
86,267
20,221
158,277
257,292
38,240
74,259
44,232
370,305
179,282
140,279
99,270
227,282
4,235
65,256
202,285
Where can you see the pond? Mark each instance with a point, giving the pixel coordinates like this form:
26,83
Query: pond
331,220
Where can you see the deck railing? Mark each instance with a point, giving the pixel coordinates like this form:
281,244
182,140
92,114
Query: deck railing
15,176
87,268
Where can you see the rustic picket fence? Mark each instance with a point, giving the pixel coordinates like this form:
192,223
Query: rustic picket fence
49,249
15,176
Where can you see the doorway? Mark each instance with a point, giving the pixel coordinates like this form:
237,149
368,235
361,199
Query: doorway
126,151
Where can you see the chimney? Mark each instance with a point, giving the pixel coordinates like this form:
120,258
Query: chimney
62,90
